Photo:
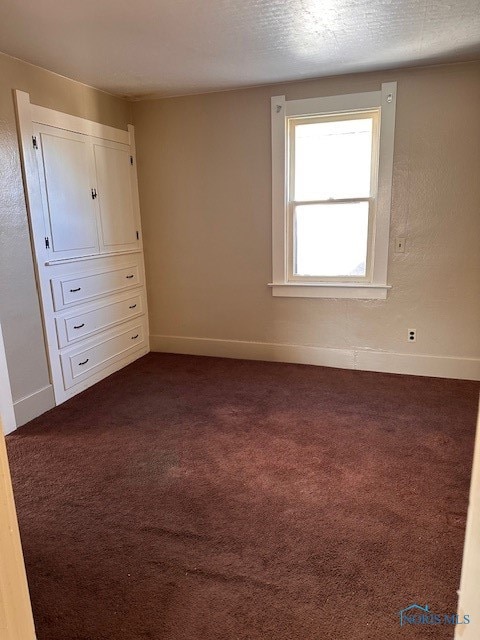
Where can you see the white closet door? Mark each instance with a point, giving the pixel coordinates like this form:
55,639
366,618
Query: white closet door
66,178
114,174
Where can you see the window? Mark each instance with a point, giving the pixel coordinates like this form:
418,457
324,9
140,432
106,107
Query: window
332,169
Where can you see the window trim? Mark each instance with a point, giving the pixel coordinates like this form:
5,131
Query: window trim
291,123
376,287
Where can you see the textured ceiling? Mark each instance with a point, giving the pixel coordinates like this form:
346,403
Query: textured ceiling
141,48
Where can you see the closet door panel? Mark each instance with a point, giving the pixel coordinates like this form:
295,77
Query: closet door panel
67,195
115,198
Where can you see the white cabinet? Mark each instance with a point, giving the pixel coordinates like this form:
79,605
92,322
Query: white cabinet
115,198
79,363
92,319
96,318
88,194
66,179
82,198
68,289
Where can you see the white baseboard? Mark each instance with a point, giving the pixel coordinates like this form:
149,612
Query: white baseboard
418,365
363,359
33,405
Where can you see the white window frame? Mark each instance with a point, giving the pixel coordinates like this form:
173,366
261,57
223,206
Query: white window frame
374,284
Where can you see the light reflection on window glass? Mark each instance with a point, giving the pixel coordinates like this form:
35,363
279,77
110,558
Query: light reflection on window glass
331,239
333,159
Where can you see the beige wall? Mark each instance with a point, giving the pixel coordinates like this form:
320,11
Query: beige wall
205,192
204,172
19,305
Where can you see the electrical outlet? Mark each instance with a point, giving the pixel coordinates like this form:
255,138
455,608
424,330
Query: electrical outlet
412,335
400,245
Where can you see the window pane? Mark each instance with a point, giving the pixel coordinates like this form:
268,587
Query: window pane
333,159
331,239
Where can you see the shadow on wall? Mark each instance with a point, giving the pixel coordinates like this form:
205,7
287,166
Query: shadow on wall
7,414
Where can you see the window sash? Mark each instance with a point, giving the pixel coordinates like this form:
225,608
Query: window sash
291,244
291,203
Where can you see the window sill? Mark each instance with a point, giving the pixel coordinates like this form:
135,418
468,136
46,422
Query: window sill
354,290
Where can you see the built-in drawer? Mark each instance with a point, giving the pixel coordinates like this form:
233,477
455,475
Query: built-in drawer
75,289
101,316
84,361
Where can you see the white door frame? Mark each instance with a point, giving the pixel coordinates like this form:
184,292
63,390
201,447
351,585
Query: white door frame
16,618
469,593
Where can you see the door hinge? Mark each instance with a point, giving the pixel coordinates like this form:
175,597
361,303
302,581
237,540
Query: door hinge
47,243
131,160
138,236
34,142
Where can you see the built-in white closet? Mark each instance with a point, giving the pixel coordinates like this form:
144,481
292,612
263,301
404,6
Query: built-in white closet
82,196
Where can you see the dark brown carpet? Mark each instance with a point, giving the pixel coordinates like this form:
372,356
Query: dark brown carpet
189,498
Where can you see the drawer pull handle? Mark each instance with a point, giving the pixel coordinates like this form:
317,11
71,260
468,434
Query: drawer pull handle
132,306
75,290
84,362
135,337
128,277
79,326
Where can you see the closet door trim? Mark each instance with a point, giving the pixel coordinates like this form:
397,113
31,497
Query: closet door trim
42,115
